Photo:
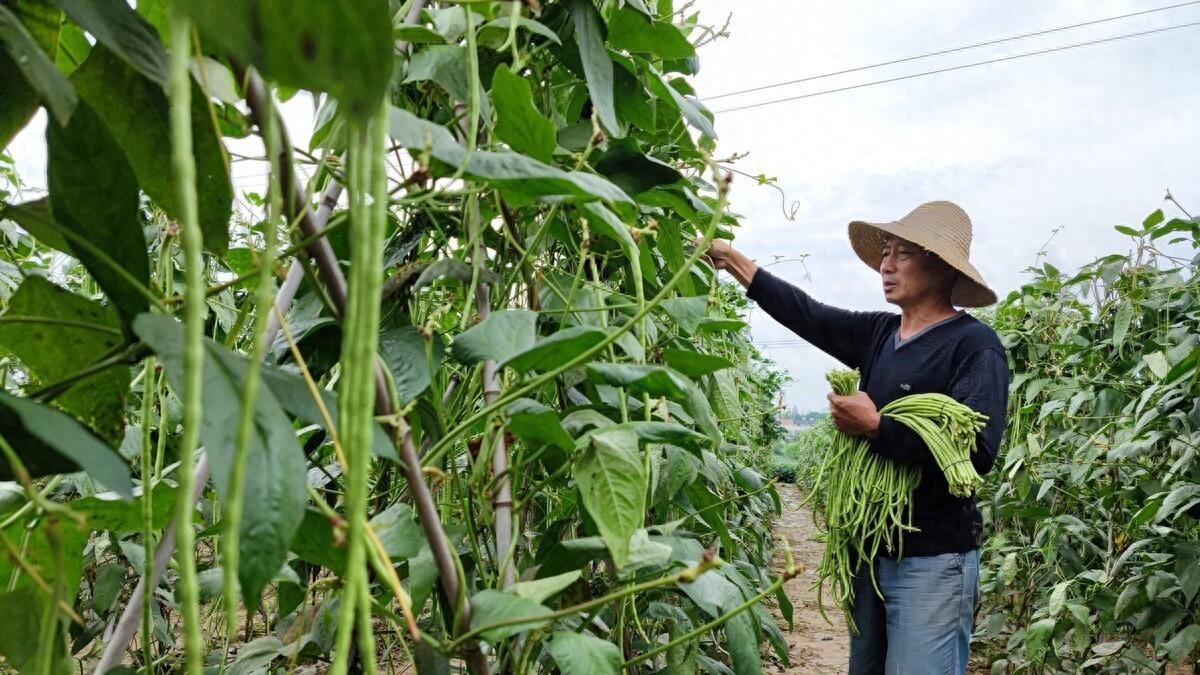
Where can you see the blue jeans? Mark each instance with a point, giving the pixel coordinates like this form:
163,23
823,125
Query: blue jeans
923,624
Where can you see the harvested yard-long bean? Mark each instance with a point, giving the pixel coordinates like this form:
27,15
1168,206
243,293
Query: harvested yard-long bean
867,497
949,428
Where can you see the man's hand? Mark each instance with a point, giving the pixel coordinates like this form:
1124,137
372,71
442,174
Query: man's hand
719,253
855,415
726,257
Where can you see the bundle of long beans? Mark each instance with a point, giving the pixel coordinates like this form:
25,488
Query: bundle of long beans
868,497
949,428
866,504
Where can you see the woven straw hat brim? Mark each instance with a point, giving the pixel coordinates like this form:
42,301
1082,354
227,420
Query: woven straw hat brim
970,290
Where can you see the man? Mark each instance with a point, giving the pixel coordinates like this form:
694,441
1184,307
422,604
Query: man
923,622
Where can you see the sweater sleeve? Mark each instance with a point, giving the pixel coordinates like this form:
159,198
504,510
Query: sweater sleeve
843,334
980,382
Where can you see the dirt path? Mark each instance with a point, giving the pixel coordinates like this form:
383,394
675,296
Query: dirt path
815,647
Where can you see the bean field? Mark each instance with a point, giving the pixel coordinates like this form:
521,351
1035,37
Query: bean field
457,390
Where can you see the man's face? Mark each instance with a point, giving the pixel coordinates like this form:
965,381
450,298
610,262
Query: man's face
910,274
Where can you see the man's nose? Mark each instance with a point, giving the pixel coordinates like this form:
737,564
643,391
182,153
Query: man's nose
886,264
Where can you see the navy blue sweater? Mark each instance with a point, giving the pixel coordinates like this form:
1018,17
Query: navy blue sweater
961,357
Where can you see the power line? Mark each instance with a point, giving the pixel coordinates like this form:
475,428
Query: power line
942,52
961,67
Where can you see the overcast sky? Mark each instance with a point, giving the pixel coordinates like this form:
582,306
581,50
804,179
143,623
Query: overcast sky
1083,139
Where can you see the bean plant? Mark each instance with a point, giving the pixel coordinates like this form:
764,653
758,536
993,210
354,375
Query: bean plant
455,392
1092,561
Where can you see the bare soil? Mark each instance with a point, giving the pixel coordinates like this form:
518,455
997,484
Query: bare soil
814,646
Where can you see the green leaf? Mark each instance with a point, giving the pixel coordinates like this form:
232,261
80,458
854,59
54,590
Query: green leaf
606,223
720,326
742,643
697,406
537,424
642,379
57,334
135,111
37,67
1037,639
494,33
399,532
1178,497
662,432
708,506
687,313
20,100
293,394
633,171
304,44
1152,220
541,590
645,554
612,481
632,99
107,511
255,657
518,122
316,543
500,337
73,46
554,351
454,269
48,442
1185,366
36,218
404,351
447,66
1158,364
216,79
659,381
694,364
581,654
1121,325
725,395
634,32
490,606
1182,644
597,66
418,35
713,593
1125,229
110,577
21,613
451,22
1058,598
117,26
670,245
689,108
94,195
429,661
276,473
679,473
523,179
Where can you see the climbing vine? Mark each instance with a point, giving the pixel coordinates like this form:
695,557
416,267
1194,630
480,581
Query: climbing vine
459,389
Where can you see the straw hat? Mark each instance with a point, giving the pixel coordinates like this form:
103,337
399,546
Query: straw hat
941,227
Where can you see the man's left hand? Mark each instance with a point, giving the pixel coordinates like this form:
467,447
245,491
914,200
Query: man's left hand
855,415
